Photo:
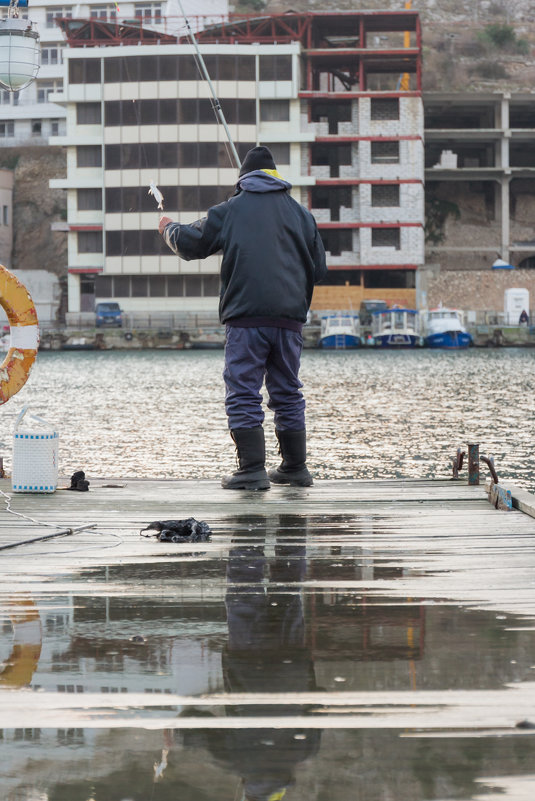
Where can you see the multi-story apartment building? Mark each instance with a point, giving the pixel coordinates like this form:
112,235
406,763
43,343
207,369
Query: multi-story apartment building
480,166
32,116
337,98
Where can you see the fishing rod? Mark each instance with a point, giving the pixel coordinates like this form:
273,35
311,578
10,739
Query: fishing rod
216,105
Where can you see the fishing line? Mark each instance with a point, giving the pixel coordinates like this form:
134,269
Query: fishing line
64,532
216,105
86,547
8,500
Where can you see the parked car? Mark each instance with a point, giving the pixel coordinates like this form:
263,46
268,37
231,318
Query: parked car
108,314
369,306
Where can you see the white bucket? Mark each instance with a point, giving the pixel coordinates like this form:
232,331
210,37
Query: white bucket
35,455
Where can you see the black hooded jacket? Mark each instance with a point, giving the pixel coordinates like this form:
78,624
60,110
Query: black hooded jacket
272,251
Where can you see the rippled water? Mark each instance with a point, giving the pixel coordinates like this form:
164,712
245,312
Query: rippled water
370,414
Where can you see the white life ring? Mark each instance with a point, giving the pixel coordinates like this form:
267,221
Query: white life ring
24,334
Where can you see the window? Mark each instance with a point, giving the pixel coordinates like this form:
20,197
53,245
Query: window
342,277
280,151
193,286
56,13
7,128
210,286
37,126
103,12
103,286
384,108
16,98
88,113
113,243
275,68
54,127
148,12
175,286
5,97
121,286
89,241
112,70
385,195
274,110
386,238
5,215
133,156
89,199
168,68
337,240
385,152
84,70
88,156
246,68
51,55
46,88
157,286
140,286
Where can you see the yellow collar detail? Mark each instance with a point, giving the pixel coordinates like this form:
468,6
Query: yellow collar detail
274,173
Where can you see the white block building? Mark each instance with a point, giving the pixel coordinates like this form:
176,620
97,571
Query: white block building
139,111
31,117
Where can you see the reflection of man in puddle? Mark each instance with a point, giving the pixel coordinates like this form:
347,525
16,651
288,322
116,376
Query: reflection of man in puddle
266,653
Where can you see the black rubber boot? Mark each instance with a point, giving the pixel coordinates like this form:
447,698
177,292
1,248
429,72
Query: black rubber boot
293,469
251,449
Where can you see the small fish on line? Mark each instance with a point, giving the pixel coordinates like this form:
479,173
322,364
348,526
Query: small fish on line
157,195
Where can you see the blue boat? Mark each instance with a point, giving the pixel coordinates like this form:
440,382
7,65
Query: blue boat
444,328
340,331
396,328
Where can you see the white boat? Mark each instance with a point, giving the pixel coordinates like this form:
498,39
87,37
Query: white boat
444,328
396,328
340,331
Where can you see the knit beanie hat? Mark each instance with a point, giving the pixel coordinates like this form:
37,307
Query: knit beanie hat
258,158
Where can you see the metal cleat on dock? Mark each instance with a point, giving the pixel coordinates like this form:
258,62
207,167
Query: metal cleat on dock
499,496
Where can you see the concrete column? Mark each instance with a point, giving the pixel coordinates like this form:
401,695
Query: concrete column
506,136
506,222
73,292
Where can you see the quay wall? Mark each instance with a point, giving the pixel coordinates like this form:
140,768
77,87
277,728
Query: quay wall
475,290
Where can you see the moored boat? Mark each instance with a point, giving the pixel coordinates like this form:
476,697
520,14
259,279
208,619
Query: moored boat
340,331
444,328
395,328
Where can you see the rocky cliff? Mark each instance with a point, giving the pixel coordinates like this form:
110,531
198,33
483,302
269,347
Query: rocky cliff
36,207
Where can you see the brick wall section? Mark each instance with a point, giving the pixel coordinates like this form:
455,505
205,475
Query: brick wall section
481,290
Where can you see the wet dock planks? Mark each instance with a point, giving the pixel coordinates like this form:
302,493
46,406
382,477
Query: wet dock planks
410,603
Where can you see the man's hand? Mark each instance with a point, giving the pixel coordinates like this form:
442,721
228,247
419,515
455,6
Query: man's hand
163,222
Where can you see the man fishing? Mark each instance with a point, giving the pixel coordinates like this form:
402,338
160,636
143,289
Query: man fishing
272,257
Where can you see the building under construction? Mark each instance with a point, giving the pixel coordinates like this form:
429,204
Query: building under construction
337,98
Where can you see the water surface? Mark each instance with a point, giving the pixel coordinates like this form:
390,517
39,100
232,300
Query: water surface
369,414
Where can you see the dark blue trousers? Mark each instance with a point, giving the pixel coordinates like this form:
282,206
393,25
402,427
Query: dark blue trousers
255,354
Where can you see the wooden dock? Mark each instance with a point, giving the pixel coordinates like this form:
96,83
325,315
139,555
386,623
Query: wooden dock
417,601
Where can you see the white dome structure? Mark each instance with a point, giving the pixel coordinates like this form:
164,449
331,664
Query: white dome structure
20,53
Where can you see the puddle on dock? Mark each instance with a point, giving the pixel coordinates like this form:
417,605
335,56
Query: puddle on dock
271,665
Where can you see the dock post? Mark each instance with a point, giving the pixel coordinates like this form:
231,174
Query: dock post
473,464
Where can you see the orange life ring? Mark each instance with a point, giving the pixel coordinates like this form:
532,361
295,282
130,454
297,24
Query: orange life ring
24,334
